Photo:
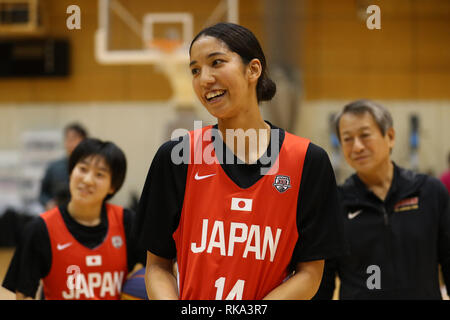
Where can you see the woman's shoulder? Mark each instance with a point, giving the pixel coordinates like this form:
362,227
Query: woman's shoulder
175,149
35,223
317,160
34,230
316,152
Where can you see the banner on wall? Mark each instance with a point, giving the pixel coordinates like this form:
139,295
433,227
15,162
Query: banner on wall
38,149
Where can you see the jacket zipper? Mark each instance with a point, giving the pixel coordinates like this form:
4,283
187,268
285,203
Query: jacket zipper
390,263
385,216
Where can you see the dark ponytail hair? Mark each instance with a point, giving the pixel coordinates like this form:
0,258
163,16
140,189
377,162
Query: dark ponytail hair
242,41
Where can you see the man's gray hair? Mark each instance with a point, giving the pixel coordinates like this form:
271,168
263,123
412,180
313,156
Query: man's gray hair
380,114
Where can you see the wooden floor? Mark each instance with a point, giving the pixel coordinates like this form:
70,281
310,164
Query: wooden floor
5,257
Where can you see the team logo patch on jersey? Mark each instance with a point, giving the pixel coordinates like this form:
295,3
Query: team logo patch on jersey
407,204
282,183
117,241
241,204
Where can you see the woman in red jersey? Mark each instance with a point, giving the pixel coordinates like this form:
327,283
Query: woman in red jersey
251,210
80,250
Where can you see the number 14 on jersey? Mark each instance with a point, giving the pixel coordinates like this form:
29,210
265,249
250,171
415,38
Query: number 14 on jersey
235,293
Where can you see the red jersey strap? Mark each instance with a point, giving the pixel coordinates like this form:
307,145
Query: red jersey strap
78,272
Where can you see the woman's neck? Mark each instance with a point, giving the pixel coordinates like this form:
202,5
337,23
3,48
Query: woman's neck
87,215
247,135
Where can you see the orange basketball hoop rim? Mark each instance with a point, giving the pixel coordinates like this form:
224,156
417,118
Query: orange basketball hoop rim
165,45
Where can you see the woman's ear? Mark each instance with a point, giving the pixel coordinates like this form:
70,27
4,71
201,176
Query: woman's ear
254,70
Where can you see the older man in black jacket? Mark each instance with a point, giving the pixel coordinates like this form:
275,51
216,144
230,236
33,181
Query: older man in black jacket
397,222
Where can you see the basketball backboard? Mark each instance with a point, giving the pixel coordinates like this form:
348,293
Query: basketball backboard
163,28
158,33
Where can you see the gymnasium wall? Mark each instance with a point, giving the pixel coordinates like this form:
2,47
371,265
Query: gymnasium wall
405,65
90,81
409,58
136,127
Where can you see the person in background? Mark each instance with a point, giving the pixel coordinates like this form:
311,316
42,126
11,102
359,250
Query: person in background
237,231
55,184
445,177
396,221
84,249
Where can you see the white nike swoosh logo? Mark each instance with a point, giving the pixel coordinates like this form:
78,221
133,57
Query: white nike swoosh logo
197,177
63,246
352,215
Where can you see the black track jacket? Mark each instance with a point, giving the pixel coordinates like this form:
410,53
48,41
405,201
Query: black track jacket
401,240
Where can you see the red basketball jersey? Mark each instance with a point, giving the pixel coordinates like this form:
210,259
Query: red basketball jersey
80,273
235,243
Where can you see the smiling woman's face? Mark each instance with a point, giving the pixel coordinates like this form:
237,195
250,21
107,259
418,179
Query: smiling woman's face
90,181
220,78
